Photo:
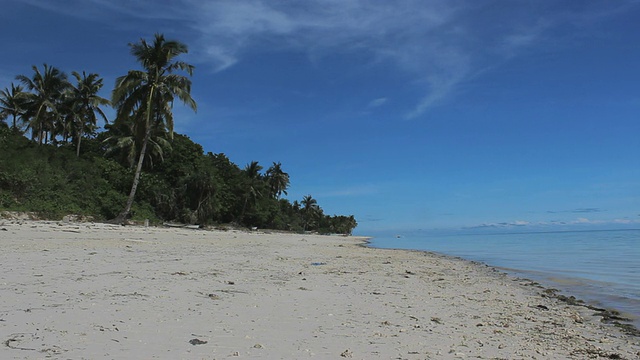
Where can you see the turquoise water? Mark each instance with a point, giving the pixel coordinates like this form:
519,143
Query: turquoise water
599,267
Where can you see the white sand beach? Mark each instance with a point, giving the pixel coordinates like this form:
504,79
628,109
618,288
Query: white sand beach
98,291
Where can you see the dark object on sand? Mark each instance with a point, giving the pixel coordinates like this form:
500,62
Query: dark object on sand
197,342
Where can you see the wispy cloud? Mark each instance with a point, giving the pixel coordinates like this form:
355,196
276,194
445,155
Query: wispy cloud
517,223
555,223
441,44
377,103
577,211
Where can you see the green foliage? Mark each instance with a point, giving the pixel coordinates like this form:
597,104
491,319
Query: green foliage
188,186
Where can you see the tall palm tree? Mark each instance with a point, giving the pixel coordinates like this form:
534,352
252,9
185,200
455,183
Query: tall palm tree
278,180
310,210
146,96
44,103
12,103
84,105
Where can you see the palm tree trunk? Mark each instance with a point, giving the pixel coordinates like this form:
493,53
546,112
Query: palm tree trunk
244,208
136,180
78,147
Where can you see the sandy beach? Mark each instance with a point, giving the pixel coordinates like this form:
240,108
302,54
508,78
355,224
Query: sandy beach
98,291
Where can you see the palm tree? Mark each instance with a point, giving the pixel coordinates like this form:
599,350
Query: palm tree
125,142
84,104
43,104
146,96
278,180
12,103
253,184
310,210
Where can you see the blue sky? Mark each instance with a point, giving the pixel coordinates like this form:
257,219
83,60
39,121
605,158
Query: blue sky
406,114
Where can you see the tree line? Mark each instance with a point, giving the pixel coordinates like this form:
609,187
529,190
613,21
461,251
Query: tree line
58,160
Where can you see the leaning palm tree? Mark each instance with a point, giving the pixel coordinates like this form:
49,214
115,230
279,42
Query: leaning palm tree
12,104
146,96
84,104
44,103
125,141
278,180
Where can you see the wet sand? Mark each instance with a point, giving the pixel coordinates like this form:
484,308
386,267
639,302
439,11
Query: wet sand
97,291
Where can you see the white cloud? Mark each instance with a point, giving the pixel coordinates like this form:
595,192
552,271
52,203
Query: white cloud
511,224
377,103
439,43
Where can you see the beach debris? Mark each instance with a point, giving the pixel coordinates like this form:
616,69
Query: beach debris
577,318
258,346
4,229
593,352
196,341
15,339
318,263
71,231
179,273
231,283
571,300
214,297
347,354
610,316
436,320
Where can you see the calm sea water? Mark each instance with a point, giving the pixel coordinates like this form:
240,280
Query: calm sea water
599,267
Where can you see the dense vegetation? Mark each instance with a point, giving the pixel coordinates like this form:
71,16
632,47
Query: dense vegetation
135,167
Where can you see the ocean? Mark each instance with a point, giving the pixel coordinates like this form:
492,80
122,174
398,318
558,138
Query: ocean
600,267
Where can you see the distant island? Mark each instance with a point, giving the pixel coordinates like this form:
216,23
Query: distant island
136,167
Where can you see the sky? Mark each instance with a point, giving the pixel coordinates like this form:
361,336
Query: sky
425,114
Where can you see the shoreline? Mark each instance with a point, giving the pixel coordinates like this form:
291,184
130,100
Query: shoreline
608,315
601,286
76,290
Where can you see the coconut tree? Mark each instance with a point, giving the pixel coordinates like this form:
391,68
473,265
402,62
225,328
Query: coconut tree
125,142
44,102
84,105
146,96
12,104
277,179
253,185
310,210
